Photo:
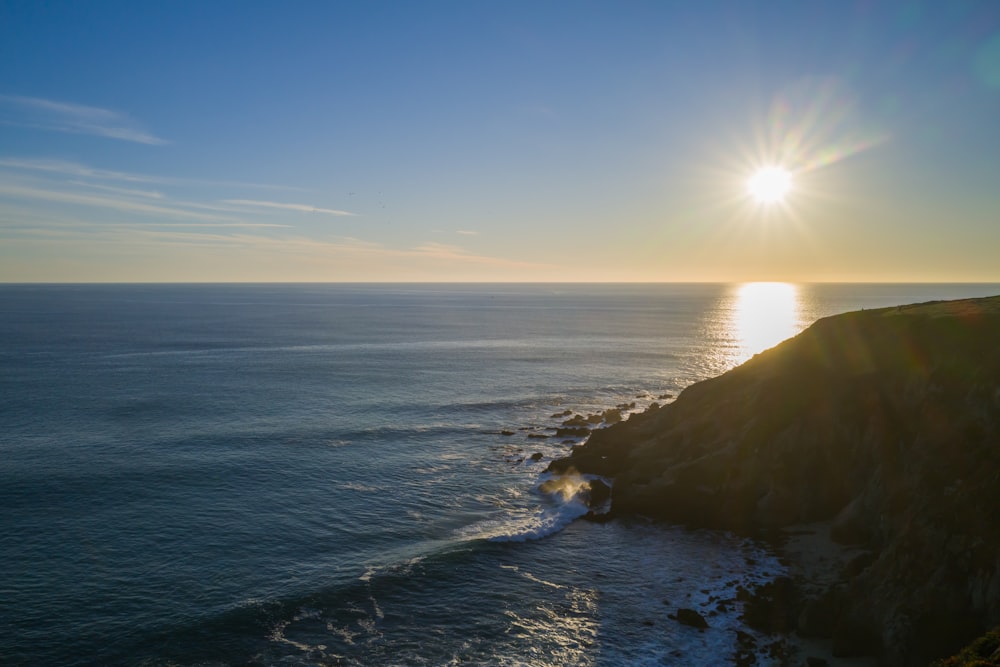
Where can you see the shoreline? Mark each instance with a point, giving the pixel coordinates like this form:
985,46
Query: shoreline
876,429
816,563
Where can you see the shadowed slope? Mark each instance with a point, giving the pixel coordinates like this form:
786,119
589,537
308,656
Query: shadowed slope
885,421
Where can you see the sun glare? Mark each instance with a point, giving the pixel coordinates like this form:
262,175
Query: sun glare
770,185
765,315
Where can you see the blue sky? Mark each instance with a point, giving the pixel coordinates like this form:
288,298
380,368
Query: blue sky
594,141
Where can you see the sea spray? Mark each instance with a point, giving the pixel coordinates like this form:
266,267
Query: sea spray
567,486
562,499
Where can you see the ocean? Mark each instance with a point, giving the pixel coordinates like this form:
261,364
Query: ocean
351,474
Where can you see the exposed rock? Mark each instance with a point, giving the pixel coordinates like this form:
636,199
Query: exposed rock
772,607
779,651
537,456
886,422
818,615
856,635
506,432
572,432
692,618
537,436
859,564
851,524
612,416
599,493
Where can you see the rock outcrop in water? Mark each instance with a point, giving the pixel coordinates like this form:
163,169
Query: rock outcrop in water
885,422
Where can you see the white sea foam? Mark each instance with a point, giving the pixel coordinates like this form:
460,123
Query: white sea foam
543,523
564,499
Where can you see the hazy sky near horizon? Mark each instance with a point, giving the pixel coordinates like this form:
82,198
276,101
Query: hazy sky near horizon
498,141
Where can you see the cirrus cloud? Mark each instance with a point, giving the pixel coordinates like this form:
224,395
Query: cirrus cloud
302,208
72,118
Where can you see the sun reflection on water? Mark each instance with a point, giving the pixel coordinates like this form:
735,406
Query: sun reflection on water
764,315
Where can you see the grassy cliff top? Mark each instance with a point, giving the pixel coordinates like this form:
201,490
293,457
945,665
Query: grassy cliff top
989,305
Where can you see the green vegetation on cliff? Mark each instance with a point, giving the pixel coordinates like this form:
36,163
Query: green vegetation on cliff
984,652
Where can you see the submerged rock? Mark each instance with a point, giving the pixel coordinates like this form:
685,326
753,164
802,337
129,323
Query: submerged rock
692,618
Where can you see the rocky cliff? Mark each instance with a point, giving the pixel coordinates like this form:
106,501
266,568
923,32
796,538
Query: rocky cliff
886,423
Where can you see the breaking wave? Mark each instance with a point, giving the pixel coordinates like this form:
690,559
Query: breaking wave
563,499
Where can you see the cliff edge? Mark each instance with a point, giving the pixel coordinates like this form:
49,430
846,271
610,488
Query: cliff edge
886,423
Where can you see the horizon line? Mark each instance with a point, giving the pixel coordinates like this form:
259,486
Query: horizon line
498,282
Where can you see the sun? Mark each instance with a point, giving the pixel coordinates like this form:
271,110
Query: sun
770,185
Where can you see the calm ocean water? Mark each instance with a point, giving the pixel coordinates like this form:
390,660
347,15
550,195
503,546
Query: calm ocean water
319,474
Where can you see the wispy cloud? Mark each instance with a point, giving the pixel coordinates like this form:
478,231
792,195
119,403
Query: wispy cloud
32,220
302,208
67,168
466,232
169,252
73,118
56,181
343,248
442,251
149,194
120,204
74,169
35,221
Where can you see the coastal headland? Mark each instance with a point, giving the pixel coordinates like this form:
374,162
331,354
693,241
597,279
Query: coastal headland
880,426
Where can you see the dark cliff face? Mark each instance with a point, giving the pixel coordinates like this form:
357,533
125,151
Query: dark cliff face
886,422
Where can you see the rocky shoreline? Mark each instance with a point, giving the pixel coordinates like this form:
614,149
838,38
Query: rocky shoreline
879,429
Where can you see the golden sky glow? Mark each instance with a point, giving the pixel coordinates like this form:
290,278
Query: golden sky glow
639,142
